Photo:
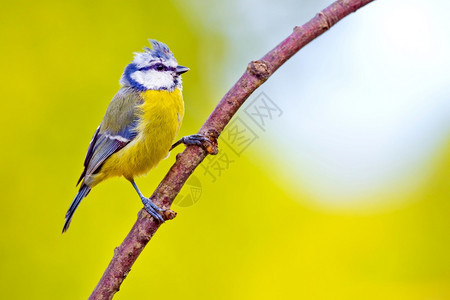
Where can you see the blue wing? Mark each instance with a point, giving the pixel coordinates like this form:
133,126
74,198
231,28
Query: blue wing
103,145
108,143
117,129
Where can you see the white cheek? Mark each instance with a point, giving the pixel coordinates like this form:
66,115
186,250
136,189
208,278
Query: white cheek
154,80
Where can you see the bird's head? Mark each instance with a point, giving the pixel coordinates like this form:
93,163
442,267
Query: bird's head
154,69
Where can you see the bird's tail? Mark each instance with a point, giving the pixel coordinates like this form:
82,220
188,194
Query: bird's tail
84,190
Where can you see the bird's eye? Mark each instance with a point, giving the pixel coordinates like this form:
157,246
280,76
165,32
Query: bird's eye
159,67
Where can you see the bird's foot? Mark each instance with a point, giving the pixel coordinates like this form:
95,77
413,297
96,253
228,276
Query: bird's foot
207,141
152,209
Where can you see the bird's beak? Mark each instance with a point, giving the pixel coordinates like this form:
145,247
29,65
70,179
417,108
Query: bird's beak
181,70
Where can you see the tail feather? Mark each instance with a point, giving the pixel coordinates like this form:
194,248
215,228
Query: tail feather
83,192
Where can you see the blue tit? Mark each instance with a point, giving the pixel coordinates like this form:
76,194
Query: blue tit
139,126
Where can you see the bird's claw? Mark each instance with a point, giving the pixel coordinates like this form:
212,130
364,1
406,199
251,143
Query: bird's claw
207,141
153,209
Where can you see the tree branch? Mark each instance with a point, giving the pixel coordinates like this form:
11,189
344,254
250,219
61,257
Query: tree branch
256,74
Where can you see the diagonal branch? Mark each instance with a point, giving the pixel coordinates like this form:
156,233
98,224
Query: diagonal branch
256,74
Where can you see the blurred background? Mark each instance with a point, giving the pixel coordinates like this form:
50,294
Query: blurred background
336,188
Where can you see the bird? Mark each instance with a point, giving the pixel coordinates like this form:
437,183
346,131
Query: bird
139,126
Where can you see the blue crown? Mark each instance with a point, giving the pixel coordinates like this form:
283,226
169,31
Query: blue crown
158,51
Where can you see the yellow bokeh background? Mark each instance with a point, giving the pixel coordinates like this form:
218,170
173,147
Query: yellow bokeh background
248,237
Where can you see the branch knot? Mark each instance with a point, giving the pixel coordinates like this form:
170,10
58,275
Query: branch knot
325,23
259,68
211,146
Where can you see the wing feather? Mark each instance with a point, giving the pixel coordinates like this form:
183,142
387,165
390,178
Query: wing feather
89,154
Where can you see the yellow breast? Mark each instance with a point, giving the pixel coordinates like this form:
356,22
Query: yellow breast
160,119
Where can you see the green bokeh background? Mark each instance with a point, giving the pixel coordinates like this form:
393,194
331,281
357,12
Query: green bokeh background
246,238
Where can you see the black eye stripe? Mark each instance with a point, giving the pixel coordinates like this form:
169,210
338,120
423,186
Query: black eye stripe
155,67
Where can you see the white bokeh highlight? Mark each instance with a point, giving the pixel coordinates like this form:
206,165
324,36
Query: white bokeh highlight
366,104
